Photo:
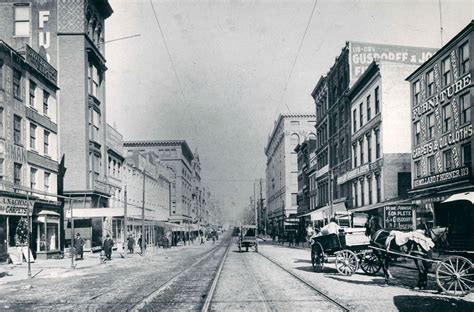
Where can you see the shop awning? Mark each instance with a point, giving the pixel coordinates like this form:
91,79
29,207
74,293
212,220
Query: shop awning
469,196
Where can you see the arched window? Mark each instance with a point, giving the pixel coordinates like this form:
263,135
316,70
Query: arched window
294,140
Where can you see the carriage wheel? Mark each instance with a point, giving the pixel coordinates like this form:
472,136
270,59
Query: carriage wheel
455,276
317,257
370,264
346,262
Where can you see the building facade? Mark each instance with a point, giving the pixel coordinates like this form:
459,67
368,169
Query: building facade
380,171
282,169
28,152
441,120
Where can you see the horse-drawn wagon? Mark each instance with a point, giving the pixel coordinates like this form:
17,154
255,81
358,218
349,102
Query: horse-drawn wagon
350,249
248,237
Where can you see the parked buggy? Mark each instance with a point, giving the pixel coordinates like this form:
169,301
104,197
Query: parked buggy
248,237
351,250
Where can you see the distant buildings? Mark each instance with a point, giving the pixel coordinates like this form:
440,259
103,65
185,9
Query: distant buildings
282,169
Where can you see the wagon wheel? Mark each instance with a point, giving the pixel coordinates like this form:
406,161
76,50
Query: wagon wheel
317,257
369,263
455,276
346,262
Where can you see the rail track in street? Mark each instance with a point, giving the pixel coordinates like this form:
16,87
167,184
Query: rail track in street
190,289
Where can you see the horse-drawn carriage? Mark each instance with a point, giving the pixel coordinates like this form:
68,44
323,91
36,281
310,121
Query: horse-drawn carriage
350,248
248,237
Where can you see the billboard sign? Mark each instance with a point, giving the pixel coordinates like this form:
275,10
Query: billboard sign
362,54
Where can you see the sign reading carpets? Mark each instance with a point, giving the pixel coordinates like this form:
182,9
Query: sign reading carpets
398,217
442,177
16,206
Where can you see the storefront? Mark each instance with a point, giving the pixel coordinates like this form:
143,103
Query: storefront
393,215
46,229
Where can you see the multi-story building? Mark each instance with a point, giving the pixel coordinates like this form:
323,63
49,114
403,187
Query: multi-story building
28,151
70,35
333,113
380,141
146,179
177,155
441,119
282,169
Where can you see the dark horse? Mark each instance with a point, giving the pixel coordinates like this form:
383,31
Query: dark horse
378,238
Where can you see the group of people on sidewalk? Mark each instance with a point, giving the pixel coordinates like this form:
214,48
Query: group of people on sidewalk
107,246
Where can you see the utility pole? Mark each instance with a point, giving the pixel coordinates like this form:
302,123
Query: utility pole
261,209
73,247
125,218
143,215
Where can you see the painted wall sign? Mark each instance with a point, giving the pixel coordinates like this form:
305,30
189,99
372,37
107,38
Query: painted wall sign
398,217
13,152
362,54
15,206
448,176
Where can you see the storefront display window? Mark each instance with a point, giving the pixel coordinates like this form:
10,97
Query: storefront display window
47,231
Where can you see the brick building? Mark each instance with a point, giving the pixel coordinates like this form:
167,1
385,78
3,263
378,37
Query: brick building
441,120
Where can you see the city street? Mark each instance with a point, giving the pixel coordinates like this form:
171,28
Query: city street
277,278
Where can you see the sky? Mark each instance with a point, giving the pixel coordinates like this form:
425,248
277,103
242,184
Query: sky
232,60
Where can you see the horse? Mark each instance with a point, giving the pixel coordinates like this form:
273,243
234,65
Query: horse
380,238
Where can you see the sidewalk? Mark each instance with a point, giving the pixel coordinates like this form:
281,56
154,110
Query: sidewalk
52,268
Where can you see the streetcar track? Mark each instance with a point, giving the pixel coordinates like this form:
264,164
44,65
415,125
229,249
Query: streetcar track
259,288
154,294
308,284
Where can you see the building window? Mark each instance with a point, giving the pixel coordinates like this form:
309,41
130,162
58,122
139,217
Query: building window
431,165
354,152
377,144
47,175
417,131
94,80
430,82
32,93
354,119
465,105
2,133
94,124
32,136
369,148
448,160
356,197
447,118
416,93
361,148
464,58
22,20
368,108
17,84
446,70
16,129
362,192
33,172
46,143
361,114
369,189
417,169
17,174
466,155
377,101
378,188
45,103
431,125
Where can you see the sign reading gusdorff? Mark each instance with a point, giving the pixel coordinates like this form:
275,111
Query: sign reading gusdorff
15,206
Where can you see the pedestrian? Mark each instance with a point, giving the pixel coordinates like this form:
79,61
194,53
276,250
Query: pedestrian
142,246
79,245
107,247
130,244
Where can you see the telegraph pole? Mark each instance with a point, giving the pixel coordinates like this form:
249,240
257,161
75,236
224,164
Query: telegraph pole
143,215
125,221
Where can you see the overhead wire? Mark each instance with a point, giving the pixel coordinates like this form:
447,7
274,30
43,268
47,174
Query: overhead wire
296,59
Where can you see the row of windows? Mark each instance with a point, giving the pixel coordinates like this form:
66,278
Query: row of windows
448,164
358,149
368,110
447,119
114,167
363,190
34,174
33,98
446,74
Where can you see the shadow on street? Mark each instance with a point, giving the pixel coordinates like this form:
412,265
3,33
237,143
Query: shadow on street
431,304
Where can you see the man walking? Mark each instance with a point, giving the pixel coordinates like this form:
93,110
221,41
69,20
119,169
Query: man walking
107,247
79,245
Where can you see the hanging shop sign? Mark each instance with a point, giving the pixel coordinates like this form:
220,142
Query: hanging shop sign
15,206
443,177
398,217
40,64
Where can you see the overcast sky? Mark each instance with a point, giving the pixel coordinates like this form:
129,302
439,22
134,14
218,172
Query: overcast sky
233,59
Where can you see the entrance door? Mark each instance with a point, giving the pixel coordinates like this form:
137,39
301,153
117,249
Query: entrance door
3,239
